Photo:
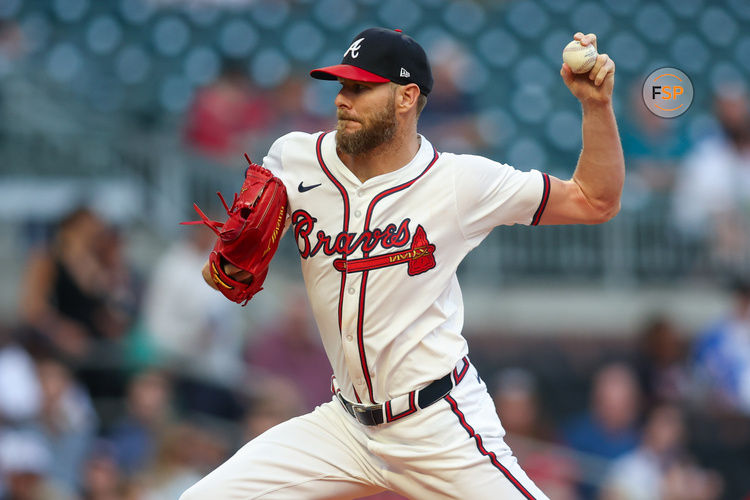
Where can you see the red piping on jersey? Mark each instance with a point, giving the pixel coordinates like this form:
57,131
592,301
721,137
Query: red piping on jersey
542,204
345,198
493,458
459,376
361,312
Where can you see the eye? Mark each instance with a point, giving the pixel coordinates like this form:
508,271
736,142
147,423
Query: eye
356,88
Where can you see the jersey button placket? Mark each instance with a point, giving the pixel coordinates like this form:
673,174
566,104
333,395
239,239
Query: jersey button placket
349,325
351,298
350,314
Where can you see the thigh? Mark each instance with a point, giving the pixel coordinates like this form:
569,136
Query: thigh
315,456
455,450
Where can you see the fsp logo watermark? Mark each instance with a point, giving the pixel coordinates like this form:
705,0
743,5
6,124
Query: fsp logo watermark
667,92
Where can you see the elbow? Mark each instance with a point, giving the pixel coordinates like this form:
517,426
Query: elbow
605,212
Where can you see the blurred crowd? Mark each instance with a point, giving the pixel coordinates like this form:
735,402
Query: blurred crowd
116,386
120,385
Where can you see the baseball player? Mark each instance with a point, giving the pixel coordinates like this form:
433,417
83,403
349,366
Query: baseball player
382,220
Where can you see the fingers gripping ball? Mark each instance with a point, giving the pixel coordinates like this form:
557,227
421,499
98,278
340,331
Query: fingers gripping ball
250,236
580,58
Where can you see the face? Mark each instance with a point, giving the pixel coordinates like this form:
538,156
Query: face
366,115
616,396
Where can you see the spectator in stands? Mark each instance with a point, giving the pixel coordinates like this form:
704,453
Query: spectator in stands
13,49
12,43
66,299
712,197
135,436
530,437
228,116
450,119
24,467
291,109
686,480
173,471
609,429
20,392
662,362
67,421
102,479
190,327
196,332
650,471
291,348
722,358
124,286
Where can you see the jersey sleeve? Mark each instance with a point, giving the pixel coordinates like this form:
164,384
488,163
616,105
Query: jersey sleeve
273,161
490,194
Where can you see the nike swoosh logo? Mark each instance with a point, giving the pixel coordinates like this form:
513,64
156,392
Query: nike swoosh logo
302,188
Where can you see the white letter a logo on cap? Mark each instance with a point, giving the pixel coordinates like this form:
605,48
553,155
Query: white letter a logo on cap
354,48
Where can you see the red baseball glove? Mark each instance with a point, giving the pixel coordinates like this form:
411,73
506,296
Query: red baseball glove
250,236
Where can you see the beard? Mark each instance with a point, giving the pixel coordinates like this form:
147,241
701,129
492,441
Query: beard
375,131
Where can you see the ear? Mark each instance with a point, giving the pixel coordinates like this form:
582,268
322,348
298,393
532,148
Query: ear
406,97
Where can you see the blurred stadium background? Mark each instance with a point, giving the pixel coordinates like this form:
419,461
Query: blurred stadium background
598,341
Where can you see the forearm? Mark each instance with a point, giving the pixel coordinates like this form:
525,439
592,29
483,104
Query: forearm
600,172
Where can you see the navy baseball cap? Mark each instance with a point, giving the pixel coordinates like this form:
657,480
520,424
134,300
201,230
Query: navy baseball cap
381,55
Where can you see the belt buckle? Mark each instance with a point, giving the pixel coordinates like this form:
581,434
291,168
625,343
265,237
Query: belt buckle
364,414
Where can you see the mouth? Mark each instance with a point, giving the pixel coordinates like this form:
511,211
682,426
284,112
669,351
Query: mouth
348,124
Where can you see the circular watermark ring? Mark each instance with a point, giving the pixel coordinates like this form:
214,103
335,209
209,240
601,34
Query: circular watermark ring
667,92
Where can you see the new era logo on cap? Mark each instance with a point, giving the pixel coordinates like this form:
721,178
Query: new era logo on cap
381,55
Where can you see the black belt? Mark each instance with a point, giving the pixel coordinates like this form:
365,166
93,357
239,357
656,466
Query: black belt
373,414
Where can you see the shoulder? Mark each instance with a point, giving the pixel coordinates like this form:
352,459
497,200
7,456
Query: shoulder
291,151
294,139
480,167
469,160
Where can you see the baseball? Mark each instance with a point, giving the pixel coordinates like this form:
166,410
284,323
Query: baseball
580,58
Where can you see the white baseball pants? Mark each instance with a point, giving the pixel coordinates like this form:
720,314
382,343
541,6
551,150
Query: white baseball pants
453,449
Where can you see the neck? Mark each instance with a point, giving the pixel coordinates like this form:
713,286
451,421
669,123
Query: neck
384,158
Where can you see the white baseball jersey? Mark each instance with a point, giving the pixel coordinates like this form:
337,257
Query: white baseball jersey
379,257
379,260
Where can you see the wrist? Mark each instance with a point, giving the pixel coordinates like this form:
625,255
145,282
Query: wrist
595,105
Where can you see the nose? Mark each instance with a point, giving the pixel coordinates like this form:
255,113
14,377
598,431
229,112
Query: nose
341,101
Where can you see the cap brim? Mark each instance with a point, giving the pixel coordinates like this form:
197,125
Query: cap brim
346,71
